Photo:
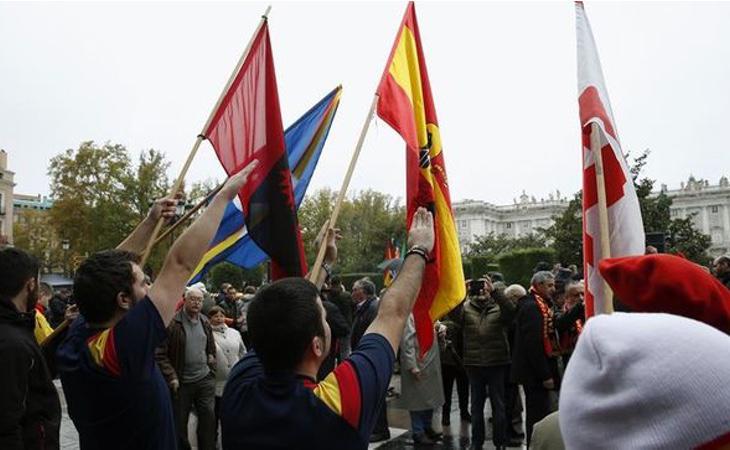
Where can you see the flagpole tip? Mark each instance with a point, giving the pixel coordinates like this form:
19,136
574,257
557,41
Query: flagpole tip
266,13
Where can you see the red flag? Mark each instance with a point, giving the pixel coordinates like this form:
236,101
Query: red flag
626,229
247,125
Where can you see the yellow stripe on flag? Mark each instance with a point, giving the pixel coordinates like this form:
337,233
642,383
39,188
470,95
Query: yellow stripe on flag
406,71
451,284
213,252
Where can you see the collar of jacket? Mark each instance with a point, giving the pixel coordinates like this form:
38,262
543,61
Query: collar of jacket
480,302
178,317
10,315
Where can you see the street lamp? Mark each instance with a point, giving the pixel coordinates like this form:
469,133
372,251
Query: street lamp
65,245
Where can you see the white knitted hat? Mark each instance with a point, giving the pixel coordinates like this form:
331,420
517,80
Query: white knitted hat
647,381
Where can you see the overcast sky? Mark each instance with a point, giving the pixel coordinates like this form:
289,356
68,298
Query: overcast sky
503,75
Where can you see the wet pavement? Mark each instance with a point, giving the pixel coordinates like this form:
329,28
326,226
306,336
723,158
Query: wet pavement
455,436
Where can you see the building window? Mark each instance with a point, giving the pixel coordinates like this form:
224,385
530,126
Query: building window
509,225
714,209
462,223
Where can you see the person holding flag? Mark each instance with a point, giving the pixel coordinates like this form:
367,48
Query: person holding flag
117,397
272,399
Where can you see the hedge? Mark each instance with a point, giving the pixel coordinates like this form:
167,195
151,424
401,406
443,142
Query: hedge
518,266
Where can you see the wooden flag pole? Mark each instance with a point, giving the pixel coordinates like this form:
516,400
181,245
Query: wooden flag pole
602,212
178,182
314,273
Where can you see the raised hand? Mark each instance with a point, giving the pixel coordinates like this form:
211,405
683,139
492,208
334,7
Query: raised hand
421,232
163,208
235,182
333,235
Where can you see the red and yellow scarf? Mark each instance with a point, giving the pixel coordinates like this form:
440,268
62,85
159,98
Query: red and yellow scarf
549,337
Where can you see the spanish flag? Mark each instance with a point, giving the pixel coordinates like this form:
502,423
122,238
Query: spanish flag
406,104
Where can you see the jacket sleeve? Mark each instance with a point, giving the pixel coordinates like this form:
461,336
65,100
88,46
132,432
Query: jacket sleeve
565,321
530,329
49,348
13,386
507,309
163,361
408,346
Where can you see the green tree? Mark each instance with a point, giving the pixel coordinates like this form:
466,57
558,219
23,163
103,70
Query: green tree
368,220
100,196
565,235
683,237
149,183
91,207
33,233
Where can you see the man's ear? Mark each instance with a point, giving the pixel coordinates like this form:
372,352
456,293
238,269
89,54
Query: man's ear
317,346
123,301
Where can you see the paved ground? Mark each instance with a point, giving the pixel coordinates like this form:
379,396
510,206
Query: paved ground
456,436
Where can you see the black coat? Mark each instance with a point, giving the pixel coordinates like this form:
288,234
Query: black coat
363,317
530,364
339,328
30,412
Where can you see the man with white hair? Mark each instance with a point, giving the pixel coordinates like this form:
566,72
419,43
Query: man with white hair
187,361
721,269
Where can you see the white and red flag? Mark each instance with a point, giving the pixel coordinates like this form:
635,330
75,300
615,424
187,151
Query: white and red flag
626,228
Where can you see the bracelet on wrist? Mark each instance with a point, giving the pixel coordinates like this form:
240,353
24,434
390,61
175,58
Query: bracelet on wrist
418,250
327,270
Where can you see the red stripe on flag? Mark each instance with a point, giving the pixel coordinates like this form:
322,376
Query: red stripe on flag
591,106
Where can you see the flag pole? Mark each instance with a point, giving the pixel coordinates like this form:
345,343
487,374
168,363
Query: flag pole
314,274
602,211
178,182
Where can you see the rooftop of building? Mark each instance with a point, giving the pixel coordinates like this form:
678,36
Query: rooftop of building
32,201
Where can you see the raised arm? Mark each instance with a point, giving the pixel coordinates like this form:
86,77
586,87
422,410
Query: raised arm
137,241
189,248
397,302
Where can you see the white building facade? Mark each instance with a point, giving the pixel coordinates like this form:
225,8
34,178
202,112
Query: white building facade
710,205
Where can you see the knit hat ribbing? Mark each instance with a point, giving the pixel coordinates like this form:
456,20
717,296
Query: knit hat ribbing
648,381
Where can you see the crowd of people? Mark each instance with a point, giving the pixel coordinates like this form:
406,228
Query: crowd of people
302,363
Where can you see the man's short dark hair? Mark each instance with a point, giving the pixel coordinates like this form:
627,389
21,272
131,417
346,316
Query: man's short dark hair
283,319
16,267
99,279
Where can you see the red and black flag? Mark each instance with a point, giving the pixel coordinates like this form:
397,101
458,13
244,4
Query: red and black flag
247,125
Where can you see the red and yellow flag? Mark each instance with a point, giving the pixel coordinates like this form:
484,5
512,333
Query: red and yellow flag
406,104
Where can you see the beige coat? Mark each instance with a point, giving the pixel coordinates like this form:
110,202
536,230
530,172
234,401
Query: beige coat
428,392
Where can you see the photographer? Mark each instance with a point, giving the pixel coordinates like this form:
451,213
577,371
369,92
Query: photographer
486,318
